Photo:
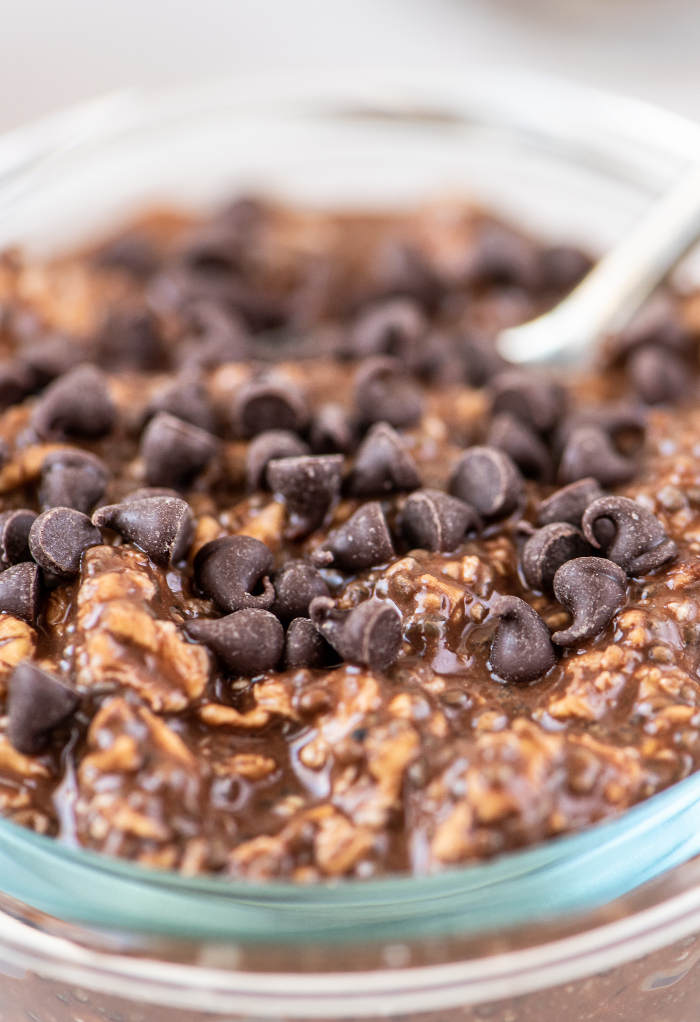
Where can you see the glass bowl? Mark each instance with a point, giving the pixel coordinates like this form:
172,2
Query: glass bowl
600,924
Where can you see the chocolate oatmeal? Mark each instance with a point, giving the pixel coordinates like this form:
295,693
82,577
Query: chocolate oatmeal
301,580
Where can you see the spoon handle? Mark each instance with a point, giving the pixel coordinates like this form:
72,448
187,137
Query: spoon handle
616,287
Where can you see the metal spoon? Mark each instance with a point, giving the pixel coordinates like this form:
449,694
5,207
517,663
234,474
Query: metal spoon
615,288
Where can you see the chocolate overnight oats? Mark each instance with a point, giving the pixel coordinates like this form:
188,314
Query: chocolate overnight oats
301,580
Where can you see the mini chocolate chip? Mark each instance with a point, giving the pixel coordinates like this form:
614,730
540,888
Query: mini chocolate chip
247,642
331,431
20,591
174,451
590,452
488,480
305,647
503,257
160,526
532,398
133,253
383,464
16,381
621,420
547,549
230,570
216,335
393,327
362,542
59,537
563,267
521,443
149,491
370,634
52,356
77,404
266,447
640,543
296,584
265,405
657,322
38,704
310,487
569,503
130,342
658,374
385,392
522,649
432,520
72,478
593,589
14,536
187,400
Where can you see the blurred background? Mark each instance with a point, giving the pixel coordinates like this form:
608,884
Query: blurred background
56,52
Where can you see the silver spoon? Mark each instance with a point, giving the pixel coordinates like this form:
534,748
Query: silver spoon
615,288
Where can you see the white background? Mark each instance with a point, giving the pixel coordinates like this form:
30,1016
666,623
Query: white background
55,52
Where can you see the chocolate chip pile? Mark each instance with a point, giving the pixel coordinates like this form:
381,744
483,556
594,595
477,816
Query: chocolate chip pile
300,579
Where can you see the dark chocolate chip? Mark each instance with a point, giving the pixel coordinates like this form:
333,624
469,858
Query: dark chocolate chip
216,335
20,591
488,480
640,543
266,447
14,536
212,250
174,452
234,571
296,585
160,526
547,549
188,400
72,478
149,491
503,257
247,642
522,649
310,487
305,647
563,267
261,406
532,398
440,361
393,327
432,520
130,342
521,443
403,269
133,253
59,537
331,431
383,464
16,381
4,452
657,322
593,589
385,392
363,541
370,634
658,374
624,421
38,704
77,404
481,359
590,452
569,503
52,356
